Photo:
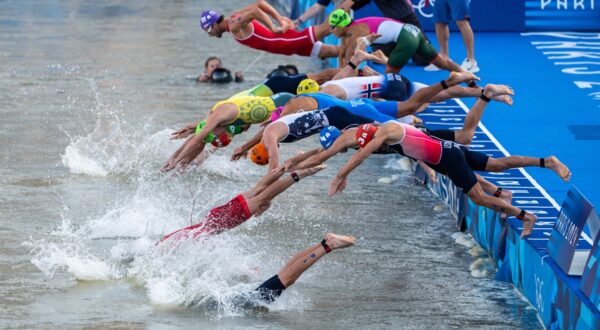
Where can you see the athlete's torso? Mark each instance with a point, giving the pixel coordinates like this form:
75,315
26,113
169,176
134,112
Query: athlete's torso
387,27
360,87
251,109
418,145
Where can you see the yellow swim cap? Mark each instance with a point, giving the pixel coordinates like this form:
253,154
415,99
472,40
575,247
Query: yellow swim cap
307,86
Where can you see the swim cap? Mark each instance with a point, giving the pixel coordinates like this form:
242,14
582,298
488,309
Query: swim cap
210,137
208,18
221,75
221,141
339,18
365,133
259,154
279,72
276,113
280,99
328,136
234,129
307,86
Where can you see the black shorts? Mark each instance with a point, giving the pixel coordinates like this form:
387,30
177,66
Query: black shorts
453,164
287,84
443,134
477,161
270,290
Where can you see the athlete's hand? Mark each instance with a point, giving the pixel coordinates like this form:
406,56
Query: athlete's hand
373,36
188,130
239,153
286,24
337,185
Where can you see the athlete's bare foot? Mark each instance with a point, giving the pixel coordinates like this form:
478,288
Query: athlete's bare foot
310,171
492,90
504,99
506,195
381,55
528,224
361,56
456,78
417,121
561,169
338,241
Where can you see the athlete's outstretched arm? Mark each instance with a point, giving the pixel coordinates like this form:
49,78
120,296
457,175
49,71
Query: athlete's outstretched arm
195,144
343,142
242,151
267,9
339,182
252,12
289,165
273,133
184,132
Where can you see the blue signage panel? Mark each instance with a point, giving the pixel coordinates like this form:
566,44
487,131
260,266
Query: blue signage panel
566,232
590,282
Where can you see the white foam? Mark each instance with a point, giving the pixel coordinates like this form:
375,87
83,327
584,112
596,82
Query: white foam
385,180
465,241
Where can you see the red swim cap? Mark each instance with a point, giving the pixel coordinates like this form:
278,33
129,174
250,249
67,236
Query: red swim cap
365,133
221,141
259,154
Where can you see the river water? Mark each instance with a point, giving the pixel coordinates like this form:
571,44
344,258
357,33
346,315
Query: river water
89,92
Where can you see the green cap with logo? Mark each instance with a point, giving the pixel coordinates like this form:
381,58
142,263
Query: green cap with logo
339,18
210,137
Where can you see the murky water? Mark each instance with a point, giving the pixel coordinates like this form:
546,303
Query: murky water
89,92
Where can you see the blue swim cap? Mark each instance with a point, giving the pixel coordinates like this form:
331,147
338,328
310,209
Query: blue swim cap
328,136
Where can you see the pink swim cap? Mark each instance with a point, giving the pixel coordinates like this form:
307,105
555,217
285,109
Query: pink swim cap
276,114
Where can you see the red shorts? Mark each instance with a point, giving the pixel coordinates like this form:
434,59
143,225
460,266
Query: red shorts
288,43
221,218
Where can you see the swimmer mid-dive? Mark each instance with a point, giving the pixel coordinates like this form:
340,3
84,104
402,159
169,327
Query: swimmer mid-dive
408,38
252,27
245,205
272,288
449,158
231,116
345,114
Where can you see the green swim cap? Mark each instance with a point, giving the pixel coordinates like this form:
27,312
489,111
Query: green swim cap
339,18
234,129
210,137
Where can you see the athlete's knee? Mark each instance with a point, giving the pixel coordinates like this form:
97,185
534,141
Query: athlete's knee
463,137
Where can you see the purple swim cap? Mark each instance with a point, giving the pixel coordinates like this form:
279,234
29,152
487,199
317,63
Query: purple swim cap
208,18
276,114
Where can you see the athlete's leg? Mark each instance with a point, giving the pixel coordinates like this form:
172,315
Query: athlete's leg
423,95
323,76
467,33
446,63
442,34
465,135
479,197
358,57
327,51
322,30
262,184
494,190
460,92
305,259
264,198
551,162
